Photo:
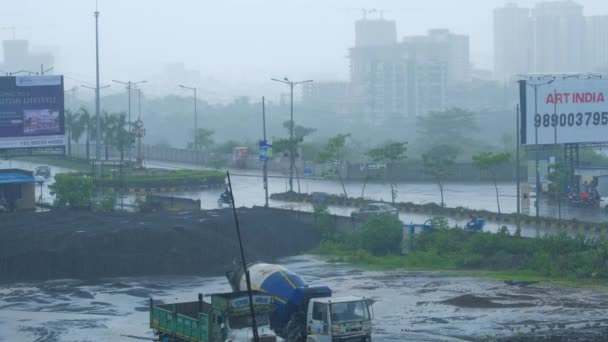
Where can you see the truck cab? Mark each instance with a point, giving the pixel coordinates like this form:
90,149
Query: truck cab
339,319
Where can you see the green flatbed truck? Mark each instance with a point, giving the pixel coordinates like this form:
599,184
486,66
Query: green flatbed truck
226,318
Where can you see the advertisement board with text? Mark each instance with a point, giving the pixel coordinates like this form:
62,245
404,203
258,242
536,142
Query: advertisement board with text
564,111
31,112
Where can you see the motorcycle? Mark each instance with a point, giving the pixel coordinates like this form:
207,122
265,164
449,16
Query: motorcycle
224,199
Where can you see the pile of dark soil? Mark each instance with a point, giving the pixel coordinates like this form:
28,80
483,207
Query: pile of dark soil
83,244
472,301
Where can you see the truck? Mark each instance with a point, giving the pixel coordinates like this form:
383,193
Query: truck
304,313
227,318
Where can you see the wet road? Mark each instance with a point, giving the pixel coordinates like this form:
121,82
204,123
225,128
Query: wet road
409,305
248,191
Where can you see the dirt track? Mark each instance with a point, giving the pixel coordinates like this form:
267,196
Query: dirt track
81,244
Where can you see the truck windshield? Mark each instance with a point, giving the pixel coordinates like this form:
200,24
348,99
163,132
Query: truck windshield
349,311
240,322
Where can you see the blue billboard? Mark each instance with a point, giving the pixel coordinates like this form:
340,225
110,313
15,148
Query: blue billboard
31,112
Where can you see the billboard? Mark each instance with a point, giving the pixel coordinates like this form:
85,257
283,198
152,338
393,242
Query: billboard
31,112
564,111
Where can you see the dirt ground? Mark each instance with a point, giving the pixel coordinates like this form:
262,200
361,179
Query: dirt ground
81,244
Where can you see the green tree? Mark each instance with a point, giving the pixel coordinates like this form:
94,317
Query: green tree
451,127
118,134
334,151
203,139
380,235
389,154
73,128
72,191
85,121
490,162
437,162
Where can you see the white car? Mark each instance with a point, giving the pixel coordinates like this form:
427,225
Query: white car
375,209
604,203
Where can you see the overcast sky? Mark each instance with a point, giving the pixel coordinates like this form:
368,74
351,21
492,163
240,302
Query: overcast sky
234,40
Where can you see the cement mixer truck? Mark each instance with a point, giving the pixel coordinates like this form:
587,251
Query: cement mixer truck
304,313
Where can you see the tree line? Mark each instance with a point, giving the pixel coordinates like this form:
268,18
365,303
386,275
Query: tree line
114,129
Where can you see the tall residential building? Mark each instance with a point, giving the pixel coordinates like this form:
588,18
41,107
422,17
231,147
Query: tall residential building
559,31
375,32
407,78
596,43
377,70
442,46
513,42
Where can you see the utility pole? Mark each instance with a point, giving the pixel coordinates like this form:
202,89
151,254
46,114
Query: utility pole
517,171
536,147
43,71
291,85
265,171
195,144
129,85
97,100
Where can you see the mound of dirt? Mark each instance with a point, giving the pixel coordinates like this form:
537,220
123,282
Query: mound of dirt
472,301
83,244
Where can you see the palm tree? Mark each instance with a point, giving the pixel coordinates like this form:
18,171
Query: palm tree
118,135
85,121
73,129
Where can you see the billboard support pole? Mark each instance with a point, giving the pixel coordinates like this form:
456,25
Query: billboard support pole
536,167
517,170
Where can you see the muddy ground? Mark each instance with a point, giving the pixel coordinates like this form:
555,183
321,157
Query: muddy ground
81,244
409,306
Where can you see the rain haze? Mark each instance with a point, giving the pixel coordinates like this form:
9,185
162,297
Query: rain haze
236,41
304,171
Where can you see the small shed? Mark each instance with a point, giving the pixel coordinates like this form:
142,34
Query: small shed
17,189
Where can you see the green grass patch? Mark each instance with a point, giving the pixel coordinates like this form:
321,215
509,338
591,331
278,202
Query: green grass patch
146,178
558,258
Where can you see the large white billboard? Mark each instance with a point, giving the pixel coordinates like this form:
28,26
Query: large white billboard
564,110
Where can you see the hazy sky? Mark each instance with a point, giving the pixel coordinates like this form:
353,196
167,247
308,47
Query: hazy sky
234,40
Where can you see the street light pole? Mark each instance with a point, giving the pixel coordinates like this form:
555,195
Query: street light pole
291,85
97,100
195,144
265,171
536,162
129,85
98,125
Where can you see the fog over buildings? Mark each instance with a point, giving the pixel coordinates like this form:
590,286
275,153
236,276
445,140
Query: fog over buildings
386,58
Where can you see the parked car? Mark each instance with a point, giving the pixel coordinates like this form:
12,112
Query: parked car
43,171
375,209
604,203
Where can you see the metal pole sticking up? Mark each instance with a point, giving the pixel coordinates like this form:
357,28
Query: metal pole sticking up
266,159
517,170
254,326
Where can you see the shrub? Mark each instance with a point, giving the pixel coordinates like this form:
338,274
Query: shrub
380,235
72,190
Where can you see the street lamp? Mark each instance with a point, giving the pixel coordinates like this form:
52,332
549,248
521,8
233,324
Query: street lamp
541,82
129,85
291,84
195,114
98,121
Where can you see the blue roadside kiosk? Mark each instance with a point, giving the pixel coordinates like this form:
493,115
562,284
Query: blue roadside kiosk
17,190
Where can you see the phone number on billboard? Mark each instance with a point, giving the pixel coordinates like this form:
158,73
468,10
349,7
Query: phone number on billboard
571,119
